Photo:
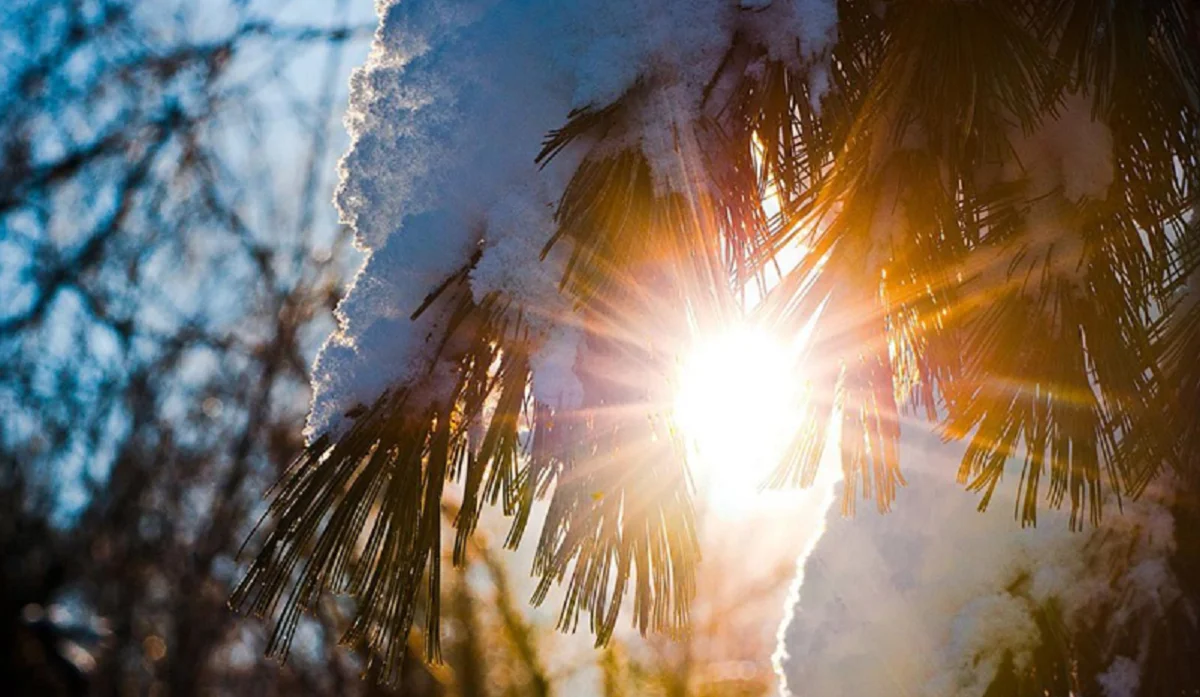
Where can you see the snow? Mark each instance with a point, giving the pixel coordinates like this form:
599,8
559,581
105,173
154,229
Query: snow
445,120
555,382
800,34
1070,152
797,32
1121,679
1065,163
929,598
982,634
515,229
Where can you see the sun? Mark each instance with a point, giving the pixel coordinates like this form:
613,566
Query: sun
737,410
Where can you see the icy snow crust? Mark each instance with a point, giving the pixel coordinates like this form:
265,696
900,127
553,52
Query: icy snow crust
445,120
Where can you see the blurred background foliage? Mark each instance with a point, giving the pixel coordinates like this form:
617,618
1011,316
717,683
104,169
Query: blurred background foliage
169,261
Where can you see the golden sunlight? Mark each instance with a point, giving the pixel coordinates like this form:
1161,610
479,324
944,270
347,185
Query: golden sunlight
736,408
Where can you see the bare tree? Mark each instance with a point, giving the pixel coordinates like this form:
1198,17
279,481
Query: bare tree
166,260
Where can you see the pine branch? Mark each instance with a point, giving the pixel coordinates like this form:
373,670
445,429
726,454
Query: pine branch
361,513
929,98
945,276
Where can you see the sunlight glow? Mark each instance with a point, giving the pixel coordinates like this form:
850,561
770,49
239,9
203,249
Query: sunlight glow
736,407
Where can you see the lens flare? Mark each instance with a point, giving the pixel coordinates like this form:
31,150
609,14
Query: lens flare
735,406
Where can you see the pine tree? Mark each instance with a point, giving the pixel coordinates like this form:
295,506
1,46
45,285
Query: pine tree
996,199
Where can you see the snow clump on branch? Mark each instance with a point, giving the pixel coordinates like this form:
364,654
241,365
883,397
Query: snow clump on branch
445,120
